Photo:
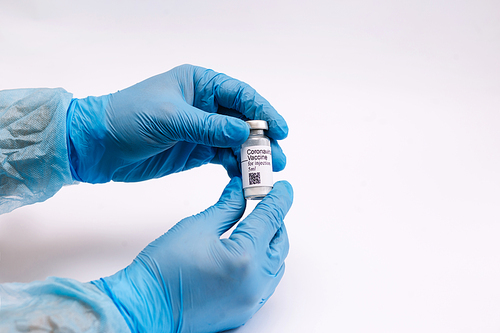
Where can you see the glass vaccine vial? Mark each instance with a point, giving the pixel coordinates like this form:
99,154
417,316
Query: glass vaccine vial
256,162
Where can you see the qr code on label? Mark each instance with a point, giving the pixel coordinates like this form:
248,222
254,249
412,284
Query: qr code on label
254,178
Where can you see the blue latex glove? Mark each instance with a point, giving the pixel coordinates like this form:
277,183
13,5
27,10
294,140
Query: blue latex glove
168,123
190,280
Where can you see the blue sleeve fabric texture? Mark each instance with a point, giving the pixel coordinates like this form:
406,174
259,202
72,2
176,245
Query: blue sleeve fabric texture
57,305
33,152
33,167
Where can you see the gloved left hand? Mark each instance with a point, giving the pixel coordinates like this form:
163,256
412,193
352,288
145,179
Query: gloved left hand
191,280
169,123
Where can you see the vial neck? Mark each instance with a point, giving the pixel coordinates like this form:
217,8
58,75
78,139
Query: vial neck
256,132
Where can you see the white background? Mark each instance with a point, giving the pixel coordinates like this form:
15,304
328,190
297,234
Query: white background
393,152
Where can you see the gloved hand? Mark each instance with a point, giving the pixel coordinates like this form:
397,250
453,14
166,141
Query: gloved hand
171,122
190,280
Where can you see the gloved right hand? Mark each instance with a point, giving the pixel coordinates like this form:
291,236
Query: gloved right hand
190,280
184,118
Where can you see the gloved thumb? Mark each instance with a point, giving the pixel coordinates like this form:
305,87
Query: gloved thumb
211,129
228,210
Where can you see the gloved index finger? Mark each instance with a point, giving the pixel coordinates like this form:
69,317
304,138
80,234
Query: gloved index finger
237,95
260,226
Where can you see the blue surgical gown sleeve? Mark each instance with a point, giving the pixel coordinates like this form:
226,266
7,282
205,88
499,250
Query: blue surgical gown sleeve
33,152
57,305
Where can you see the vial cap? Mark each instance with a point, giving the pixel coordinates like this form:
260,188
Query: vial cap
258,124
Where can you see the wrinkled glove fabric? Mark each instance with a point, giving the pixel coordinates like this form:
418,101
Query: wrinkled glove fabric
168,123
192,280
188,280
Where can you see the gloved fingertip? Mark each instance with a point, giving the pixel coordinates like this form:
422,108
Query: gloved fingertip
278,129
235,184
229,161
236,131
233,192
279,158
233,171
278,166
283,187
230,207
277,202
279,163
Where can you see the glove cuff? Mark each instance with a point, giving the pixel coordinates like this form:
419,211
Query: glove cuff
85,135
71,147
140,298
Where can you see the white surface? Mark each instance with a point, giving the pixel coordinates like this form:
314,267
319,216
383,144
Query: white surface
394,149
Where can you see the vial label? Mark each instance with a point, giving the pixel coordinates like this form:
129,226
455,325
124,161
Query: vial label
256,166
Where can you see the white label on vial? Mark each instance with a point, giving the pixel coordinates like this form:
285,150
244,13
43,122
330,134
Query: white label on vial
256,166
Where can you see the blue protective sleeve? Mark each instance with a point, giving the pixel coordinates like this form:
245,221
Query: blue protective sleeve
57,305
33,153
